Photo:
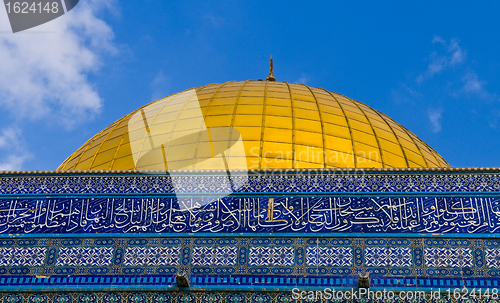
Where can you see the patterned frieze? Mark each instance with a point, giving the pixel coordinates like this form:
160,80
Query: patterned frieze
388,256
84,256
282,182
244,260
189,296
152,256
329,256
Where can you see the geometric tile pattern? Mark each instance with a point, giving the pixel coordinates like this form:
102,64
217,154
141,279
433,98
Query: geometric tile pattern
492,257
277,256
221,255
30,256
399,257
203,256
376,256
388,256
448,257
240,255
207,296
84,256
250,260
325,182
329,256
225,255
137,256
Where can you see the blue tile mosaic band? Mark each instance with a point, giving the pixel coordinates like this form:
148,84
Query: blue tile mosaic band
225,296
102,235
292,182
245,261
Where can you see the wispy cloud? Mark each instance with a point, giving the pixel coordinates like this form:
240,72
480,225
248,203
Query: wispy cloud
12,149
435,117
454,55
303,79
493,119
404,94
160,86
458,88
470,83
473,85
215,20
45,74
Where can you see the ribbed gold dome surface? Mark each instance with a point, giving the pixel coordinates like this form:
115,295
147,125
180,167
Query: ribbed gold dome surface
253,124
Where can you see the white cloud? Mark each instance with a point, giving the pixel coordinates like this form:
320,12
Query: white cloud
435,116
12,150
464,80
303,79
438,39
215,20
44,71
458,89
160,86
493,119
404,94
455,55
472,84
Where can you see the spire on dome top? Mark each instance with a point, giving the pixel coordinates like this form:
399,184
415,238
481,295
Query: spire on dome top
271,77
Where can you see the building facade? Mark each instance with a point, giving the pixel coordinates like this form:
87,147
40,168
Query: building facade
255,191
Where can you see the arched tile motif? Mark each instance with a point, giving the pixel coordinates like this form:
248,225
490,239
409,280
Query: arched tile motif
261,298
137,297
236,297
112,297
12,298
38,298
186,298
161,297
87,298
211,297
63,298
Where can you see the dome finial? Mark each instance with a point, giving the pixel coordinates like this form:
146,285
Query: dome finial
271,77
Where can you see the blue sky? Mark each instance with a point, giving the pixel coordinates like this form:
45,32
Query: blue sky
432,67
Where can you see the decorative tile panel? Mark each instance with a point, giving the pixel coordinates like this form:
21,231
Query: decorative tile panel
229,296
137,256
448,257
281,182
149,261
329,256
276,256
399,257
492,257
30,256
225,255
84,256
248,256
388,256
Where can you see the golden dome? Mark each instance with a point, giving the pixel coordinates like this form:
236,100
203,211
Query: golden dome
253,124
